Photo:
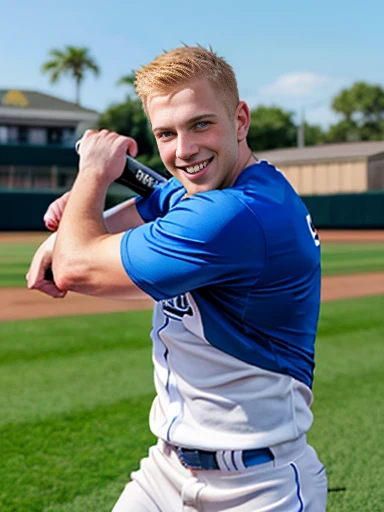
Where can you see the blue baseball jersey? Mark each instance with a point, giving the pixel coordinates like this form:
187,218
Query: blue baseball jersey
235,274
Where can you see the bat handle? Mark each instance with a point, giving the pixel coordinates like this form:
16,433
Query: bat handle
48,274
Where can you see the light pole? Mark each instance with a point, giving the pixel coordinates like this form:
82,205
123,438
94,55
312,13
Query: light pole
301,124
301,129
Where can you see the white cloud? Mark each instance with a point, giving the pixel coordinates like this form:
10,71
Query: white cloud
296,84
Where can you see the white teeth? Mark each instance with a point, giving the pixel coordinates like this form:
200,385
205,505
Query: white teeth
197,168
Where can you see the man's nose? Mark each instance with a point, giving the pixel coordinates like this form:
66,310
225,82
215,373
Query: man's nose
186,147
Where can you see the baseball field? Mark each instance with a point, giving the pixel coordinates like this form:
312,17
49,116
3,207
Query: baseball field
76,384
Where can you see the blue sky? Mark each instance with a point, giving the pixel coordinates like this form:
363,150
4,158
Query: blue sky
289,53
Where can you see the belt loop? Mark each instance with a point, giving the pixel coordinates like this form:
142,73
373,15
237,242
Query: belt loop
238,460
223,461
289,451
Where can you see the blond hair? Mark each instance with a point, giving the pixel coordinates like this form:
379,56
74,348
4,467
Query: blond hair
175,68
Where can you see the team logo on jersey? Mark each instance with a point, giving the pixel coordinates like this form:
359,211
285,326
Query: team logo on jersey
312,230
177,307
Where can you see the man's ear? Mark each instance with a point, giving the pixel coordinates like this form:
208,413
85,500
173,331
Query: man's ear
243,120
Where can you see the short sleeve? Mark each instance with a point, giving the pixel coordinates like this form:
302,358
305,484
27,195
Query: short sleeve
208,239
160,201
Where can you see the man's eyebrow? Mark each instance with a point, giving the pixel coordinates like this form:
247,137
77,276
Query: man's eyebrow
198,118
192,120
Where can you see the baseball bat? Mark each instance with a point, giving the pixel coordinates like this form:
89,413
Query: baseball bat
136,176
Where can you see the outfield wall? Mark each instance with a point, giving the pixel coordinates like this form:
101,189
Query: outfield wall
347,211
24,210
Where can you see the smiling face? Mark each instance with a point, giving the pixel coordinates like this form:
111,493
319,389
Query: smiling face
200,143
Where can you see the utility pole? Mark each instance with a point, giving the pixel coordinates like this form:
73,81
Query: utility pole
301,129
301,123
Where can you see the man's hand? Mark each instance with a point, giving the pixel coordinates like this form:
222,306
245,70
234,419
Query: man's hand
55,211
42,260
103,154
98,150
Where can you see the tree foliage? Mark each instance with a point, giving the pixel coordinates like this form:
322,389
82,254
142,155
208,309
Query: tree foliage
271,127
313,134
128,119
72,61
128,80
362,110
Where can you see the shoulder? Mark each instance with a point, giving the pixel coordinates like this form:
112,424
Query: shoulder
163,197
213,216
220,206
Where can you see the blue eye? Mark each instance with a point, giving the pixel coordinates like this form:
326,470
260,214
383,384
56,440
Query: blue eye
165,135
202,124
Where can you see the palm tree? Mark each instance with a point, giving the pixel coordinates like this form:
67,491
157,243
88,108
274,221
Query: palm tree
128,80
71,61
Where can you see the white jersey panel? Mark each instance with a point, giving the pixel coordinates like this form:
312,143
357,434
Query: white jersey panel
211,400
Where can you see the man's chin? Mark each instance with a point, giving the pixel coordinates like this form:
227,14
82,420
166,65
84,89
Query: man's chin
196,188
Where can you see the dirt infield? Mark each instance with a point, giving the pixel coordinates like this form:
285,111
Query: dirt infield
325,236
20,303
351,236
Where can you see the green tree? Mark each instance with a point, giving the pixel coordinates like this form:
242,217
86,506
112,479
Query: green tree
128,119
72,61
128,80
271,128
313,134
361,108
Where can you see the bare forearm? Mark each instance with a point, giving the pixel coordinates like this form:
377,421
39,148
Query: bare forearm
122,217
86,257
81,226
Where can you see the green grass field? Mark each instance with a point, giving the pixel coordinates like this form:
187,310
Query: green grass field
75,395
343,258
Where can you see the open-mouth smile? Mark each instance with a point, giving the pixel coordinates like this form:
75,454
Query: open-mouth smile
193,169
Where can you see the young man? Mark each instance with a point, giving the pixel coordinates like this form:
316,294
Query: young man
228,251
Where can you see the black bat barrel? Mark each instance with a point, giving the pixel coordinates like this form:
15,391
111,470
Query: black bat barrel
140,178
136,176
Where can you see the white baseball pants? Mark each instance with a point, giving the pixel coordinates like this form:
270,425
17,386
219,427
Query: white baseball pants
295,481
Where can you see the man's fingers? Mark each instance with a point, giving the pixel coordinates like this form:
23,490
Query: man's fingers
50,289
51,224
45,286
132,149
130,144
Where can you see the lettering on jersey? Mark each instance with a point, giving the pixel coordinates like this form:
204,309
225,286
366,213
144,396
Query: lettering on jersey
313,231
176,307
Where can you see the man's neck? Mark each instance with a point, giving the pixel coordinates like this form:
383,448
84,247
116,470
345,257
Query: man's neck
246,158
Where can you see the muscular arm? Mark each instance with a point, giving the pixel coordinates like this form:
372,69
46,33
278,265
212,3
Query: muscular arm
86,257
122,217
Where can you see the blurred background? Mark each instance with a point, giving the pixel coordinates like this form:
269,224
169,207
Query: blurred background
311,74
76,379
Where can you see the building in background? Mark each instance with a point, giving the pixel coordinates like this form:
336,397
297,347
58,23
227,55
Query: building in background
37,136
350,167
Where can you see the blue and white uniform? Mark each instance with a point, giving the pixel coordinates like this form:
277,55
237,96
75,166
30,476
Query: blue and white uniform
235,274
236,277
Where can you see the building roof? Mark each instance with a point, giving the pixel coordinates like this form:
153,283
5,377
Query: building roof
25,104
326,152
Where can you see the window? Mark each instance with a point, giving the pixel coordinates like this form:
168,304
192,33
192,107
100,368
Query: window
54,135
3,134
13,134
37,136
